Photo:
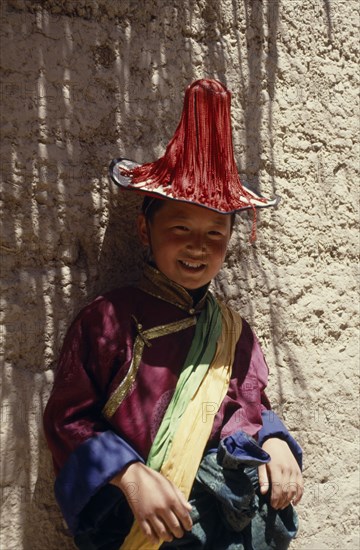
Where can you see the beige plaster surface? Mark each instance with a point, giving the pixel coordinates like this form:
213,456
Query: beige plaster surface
85,81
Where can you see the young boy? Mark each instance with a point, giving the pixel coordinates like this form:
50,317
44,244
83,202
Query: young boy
158,423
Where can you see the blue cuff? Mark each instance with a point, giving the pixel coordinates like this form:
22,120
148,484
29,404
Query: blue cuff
87,469
273,427
239,450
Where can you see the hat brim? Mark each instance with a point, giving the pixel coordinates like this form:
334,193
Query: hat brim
144,188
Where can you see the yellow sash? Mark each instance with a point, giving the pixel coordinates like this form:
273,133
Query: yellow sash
195,426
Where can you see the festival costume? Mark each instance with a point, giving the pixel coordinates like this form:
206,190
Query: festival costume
142,367
89,450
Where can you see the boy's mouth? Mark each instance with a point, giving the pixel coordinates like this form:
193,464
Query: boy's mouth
192,266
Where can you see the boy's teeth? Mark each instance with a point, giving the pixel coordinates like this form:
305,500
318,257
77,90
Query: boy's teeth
191,265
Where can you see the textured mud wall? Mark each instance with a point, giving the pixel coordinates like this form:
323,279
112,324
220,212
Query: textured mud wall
85,81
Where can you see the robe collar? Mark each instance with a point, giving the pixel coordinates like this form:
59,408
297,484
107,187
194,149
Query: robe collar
154,282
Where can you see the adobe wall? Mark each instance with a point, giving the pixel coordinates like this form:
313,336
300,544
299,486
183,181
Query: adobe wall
86,81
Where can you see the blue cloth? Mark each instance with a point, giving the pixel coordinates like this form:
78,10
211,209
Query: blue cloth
89,467
228,512
239,450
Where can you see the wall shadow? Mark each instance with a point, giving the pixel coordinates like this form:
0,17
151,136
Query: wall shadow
97,86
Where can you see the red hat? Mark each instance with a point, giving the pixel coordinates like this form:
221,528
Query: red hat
198,165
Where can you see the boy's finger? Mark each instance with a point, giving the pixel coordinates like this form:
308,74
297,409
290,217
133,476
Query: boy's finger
148,531
288,491
184,518
182,510
299,493
291,494
276,495
161,530
263,479
182,498
173,525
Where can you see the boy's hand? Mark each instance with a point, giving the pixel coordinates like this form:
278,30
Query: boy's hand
159,507
282,474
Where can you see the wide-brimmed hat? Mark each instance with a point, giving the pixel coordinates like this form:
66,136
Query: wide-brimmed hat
198,165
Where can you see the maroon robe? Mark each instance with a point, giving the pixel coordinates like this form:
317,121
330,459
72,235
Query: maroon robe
96,356
88,448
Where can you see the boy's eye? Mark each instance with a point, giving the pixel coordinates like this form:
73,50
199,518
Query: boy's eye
215,233
180,228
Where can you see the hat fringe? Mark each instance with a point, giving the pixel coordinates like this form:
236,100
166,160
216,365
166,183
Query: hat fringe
199,164
199,158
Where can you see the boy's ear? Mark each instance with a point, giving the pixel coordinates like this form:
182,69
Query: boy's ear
143,230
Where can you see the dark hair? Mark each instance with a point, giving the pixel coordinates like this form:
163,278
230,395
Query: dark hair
150,206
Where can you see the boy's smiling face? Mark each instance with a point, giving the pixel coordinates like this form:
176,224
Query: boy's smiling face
188,242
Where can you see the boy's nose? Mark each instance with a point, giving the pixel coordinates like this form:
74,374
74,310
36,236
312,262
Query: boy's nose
197,243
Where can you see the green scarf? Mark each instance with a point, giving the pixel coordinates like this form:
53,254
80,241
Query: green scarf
200,355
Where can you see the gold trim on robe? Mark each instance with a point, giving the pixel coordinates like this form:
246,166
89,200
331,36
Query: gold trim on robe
156,284
143,338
